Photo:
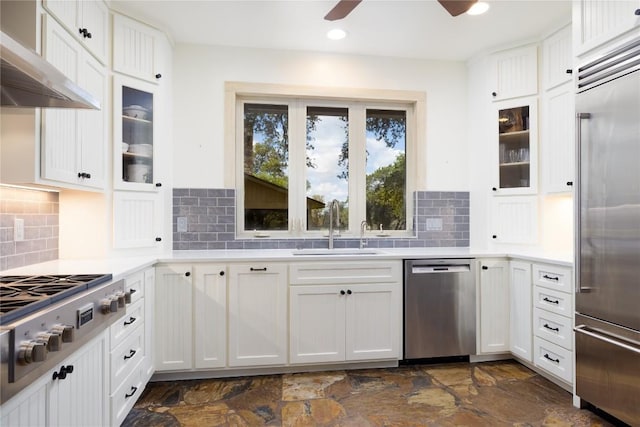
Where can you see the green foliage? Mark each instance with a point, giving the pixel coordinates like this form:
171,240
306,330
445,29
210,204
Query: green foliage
386,196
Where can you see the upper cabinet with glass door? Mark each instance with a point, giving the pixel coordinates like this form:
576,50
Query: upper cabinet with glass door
134,135
516,125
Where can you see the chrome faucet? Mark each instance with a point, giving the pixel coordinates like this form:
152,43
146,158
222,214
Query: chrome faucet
333,205
363,227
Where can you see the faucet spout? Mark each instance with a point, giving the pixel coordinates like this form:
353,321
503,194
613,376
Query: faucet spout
334,205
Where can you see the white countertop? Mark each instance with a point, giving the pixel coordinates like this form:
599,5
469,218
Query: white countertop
122,266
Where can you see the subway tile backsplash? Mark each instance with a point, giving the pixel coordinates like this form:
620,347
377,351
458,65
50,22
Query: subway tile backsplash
205,219
40,212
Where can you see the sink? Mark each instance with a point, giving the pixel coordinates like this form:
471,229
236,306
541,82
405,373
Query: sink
301,252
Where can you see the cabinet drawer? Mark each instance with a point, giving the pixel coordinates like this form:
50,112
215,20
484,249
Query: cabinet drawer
553,277
320,273
126,356
134,283
553,327
553,358
123,399
125,325
556,302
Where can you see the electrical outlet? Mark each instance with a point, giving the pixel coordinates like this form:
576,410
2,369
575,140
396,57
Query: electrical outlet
18,230
182,224
434,224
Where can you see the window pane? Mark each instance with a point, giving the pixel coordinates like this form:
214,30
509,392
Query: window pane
327,168
266,167
386,169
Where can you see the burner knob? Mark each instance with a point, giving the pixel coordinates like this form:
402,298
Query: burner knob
66,332
127,297
32,351
113,306
52,340
105,306
121,299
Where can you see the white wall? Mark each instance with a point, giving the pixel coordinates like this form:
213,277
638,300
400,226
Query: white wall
200,73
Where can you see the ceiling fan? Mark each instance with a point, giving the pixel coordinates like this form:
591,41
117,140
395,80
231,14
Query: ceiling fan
344,7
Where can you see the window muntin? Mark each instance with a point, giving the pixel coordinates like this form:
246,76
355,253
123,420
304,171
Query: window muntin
327,165
386,172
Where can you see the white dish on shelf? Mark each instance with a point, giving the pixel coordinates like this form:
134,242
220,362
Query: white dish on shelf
136,111
125,147
142,149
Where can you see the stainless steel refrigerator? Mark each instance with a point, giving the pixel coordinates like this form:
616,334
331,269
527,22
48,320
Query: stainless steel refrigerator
607,321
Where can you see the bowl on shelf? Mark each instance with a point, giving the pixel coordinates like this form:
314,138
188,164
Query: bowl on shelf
125,147
136,111
141,149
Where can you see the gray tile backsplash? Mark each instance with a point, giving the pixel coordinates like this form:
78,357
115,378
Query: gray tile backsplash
207,219
40,212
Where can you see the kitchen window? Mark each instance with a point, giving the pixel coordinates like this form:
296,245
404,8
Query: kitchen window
295,154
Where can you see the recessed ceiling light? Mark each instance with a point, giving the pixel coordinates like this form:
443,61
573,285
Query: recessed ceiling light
336,34
478,8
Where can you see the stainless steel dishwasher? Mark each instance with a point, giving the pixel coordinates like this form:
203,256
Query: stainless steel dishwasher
439,308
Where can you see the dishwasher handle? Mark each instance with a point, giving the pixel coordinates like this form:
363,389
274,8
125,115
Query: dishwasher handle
431,269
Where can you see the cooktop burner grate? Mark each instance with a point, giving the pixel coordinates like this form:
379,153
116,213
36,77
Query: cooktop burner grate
23,295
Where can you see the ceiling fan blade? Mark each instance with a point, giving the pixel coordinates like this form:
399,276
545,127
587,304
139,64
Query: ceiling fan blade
457,7
341,10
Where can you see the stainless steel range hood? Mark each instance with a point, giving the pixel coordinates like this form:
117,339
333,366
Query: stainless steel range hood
27,80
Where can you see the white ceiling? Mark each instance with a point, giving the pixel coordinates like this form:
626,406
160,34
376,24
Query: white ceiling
396,28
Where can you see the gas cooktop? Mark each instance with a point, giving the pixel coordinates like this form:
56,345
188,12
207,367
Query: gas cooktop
23,295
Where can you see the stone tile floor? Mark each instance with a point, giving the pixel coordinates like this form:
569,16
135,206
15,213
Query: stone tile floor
459,394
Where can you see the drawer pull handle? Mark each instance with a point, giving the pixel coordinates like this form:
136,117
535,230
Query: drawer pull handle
133,391
546,356
130,321
550,328
546,276
556,302
258,269
130,355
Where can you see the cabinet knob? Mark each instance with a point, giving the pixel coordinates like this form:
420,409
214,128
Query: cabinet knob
494,94
88,35
637,12
349,292
87,175
222,273
188,273
158,76
158,239
484,267
494,236
569,71
158,184
342,292
569,183
494,189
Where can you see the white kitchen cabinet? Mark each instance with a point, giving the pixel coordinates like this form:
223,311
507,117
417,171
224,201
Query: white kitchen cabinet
493,306
136,49
137,219
173,317
520,294
27,408
514,219
80,399
596,22
136,115
558,148
516,128
74,141
347,322
557,59
210,315
257,314
86,20
514,73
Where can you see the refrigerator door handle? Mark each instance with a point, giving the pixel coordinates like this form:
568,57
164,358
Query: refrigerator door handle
583,329
577,200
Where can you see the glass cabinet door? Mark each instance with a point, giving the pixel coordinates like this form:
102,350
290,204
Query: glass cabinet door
134,145
516,147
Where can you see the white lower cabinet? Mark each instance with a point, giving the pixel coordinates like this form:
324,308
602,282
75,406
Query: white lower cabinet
520,293
336,323
257,314
28,408
210,316
80,399
493,306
